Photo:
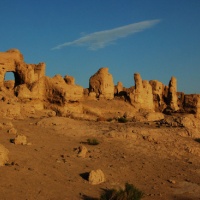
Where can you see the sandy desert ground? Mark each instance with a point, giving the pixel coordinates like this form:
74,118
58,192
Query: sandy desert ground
162,161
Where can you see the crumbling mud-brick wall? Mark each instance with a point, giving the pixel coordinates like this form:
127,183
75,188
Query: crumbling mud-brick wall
13,61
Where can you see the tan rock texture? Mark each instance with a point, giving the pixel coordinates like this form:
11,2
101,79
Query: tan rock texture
190,103
198,107
142,96
102,84
118,88
13,61
69,80
31,85
82,151
172,94
12,131
96,177
3,155
56,90
154,116
158,93
20,139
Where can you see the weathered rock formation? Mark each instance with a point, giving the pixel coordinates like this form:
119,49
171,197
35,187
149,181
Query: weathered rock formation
102,84
142,96
56,90
13,61
198,107
172,94
118,88
158,90
31,83
191,104
69,80
62,95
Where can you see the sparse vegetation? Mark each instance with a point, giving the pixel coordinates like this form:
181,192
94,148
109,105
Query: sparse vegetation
92,141
122,120
109,119
99,119
197,140
128,193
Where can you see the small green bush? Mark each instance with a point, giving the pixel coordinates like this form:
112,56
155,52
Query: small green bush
129,193
122,120
93,141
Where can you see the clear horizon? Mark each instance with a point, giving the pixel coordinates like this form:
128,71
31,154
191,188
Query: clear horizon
158,39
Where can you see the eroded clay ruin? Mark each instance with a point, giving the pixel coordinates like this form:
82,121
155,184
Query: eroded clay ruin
32,87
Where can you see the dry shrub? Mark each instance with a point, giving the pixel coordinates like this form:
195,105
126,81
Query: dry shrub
128,193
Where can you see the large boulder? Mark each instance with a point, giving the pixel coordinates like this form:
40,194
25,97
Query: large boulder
102,84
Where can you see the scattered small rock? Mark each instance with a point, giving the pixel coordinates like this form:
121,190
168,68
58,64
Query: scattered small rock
12,131
20,139
8,124
171,181
82,151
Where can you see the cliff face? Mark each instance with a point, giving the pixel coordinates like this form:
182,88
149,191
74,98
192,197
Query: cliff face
31,83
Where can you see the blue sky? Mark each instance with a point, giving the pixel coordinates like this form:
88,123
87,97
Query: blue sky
156,38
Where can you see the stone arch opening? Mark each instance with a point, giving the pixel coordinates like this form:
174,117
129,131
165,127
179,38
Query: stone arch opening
9,80
9,76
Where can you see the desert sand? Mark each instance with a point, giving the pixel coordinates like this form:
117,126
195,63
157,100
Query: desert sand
162,161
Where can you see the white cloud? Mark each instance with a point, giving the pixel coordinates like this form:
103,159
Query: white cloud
104,38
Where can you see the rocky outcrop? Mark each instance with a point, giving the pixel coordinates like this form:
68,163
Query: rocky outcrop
198,107
102,84
158,90
13,61
31,83
69,80
54,90
118,88
172,95
64,96
190,103
142,96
